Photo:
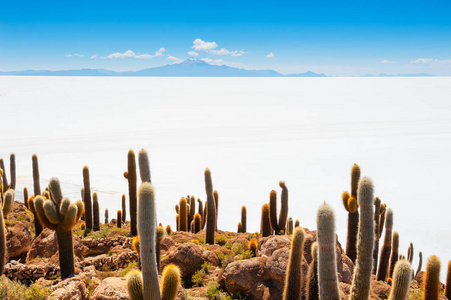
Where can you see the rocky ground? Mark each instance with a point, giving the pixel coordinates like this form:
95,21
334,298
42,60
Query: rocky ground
226,270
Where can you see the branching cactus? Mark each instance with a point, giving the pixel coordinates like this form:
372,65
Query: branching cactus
130,175
327,266
351,206
431,283
12,166
386,248
244,218
293,278
394,253
361,279
312,276
278,225
401,281
87,198
60,215
6,206
211,209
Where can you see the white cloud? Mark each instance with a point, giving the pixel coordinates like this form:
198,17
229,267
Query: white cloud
270,55
423,60
131,54
237,53
160,52
192,53
94,56
210,61
74,55
175,59
210,47
386,61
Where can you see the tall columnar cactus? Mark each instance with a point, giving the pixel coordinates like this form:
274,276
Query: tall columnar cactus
25,196
382,219
312,275
350,204
278,225
197,223
448,281
273,212
96,212
144,165
130,175
37,192
410,253
431,283
394,253
244,218
290,225
106,216
327,267
420,263
377,208
12,167
87,198
401,281
4,178
293,278
170,282
177,222
211,209
124,209
183,215
216,197
265,225
147,221
192,209
5,208
119,219
361,279
200,209
386,248
60,215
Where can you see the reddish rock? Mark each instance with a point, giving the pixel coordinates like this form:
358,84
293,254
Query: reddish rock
111,288
70,288
19,236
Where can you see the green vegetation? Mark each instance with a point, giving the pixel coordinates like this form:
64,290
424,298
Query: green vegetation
15,290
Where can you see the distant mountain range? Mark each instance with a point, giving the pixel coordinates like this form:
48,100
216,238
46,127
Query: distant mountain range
189,68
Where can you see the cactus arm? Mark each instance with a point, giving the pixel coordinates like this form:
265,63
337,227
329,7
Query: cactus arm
394,253
244,218
50,212
5,179
39,208
70,219
87,198
420,263
131,176
8,202
386,248
80,209
64,205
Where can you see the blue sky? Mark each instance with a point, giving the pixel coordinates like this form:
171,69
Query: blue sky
332,37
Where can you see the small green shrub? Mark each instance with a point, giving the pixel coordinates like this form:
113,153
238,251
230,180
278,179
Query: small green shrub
247,254
221,240
20,218
198,277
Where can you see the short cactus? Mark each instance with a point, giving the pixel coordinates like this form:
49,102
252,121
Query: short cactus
327,267
5,208
96,212
134,285
197,223
290,226
135,244
361,279
25,197
106,216
394,253
312,275
244,218
168,230
293,279
124,209
60,215
297,224
252,246
119,219
211,209
83,226
170,282
386,248
431,283
87,198
130,175
240,227
401,281
265,225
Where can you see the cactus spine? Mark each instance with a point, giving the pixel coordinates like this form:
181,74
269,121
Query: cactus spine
293,279
350,203
6,206
124,209
106,216
87,198
183,215
170,282
431,288
211,209
327,267
131,177
377,208
312,276
361,280
60,215
401,281
96,212
146,230
394,253
265,225
37,191
244,218
135,285
448,281
386,248
119,219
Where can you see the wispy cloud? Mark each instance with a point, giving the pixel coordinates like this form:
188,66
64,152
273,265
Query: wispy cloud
270,55
174,59
192,53
422,61
210,48
74,55
386,61
217,62
131,54
94,56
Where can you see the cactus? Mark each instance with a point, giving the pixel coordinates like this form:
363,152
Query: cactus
216,197
240,227
410,253
382,219
183,215
135,245
386,248
106,216
124,209
204,220
168,230
5,208
177,222
327,267
192,209
312,275
278,225
394,253
420,263
273,212
177,208
431,283
134,285
211,209
60,215
252,246
12,166
401,281
377,208
96,212
448,281
146,230
37,191
296,224
200,209
170,282
130,175
197,223
290,225
87,198
293,279
160,236
361,279
25,196
4,178
144,166
83,226
244,218
119,219
265,225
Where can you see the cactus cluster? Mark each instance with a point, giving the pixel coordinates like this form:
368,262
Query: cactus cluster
278,225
